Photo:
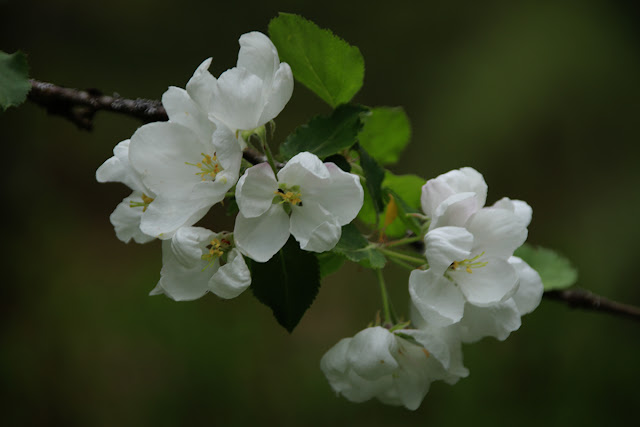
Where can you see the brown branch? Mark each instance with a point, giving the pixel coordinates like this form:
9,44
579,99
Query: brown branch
79,106
580,298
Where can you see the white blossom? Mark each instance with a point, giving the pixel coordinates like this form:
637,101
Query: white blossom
309,199
397,367
196,261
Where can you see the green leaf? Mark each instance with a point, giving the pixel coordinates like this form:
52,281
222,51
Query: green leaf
555,270
14,79
340,161
385,134
406,190
356,248
329,263
323,62
374,175
287,283
324,136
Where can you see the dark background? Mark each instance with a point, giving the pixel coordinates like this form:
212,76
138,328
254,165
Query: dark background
542,97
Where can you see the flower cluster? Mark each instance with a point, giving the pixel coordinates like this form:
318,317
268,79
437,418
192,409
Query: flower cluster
472,287
468,285
179,169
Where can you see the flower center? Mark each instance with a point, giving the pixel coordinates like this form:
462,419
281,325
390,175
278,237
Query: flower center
209,166
288,195
144,204
468,264
216,248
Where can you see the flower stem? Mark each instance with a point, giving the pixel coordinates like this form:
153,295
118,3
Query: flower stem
403,264
403,257
385,298
269,154
403,241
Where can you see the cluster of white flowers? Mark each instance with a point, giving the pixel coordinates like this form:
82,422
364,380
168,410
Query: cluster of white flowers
473,288
179,169
471,285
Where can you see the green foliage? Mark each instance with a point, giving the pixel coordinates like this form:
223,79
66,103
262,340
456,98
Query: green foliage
356,248
385,134
555,270
14,79
288,283
324,136
323,62
329,263
374,175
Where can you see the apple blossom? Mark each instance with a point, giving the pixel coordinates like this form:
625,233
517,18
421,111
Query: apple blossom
196,261
309,199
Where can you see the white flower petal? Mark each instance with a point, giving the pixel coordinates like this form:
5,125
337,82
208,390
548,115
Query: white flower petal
454,211
232,278
118,169
304,169
237,99
314,227
160,151
200,86
445,245
464,180
182,109
280,93
255,190
370,353
497,321
126,220
497,232
182,283
530,290
187,245
487,285
259,56
228,150
342,196
164,216
437,299
262,237
523,211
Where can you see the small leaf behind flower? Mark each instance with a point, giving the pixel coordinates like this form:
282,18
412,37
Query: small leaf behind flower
324,136
555,270
320,60
385,134
356,248
287,283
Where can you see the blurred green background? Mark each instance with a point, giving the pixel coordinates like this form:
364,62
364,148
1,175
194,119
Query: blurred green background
542,97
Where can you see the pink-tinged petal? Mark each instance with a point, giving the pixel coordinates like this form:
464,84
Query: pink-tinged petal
237,99
314,227
255,190
279,94
370,353
497,321
445,245
530,290
182,109
454,211
342,196
259,56
497,232
200,86
489,284
521,209
260,238
126,220
160,151
438,299
232,278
